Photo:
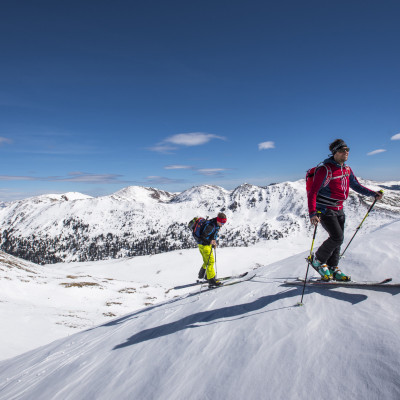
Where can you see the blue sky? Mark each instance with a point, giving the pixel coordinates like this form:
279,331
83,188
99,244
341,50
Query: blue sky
99,95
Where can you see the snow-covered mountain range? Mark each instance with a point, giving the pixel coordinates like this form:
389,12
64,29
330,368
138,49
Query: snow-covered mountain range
140,220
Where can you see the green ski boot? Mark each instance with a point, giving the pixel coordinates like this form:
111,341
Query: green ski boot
338,275
322,269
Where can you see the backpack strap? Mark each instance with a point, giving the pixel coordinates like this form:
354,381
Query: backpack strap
196,224
328,176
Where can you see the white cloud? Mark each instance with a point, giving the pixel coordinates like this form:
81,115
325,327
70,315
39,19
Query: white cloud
162,148
211,171
87,178
266,145
5,140
192,139
16,178
178,167
372,153
396,137
71,177
183,139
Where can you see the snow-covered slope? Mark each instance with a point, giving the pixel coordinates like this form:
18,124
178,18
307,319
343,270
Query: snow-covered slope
62,299
247,341
138,221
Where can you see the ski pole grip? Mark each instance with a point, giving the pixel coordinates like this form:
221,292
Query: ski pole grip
379,191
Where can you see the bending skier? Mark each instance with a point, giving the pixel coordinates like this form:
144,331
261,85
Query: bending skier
207,240
329,189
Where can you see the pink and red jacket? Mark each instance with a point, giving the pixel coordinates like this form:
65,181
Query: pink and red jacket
330,187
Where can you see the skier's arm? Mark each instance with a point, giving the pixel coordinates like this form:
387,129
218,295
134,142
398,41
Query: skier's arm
215,238
319,179
210,234
207,231
356,186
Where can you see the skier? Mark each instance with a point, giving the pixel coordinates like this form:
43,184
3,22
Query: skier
329,190
206,242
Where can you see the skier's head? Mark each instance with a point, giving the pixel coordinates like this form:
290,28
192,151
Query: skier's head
221,218
338,145
340,151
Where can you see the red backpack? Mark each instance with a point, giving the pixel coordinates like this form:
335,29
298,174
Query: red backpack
196,225
311,173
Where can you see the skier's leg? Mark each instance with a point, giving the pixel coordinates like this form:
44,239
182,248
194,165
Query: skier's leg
333,223
333,260
210,260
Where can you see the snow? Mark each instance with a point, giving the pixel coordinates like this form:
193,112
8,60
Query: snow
246,341
44,296
141,194
74,230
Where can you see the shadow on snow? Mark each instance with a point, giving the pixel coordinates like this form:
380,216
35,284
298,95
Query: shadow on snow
240,310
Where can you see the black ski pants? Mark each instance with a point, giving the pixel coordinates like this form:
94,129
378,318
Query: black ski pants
329,251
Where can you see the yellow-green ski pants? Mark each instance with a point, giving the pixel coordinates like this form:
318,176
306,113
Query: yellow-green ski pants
208,257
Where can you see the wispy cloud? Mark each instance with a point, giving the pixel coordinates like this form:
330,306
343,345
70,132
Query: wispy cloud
82,177
170,144
372,153
4,140
17,178
266,145
202,171
178,167
211,171
192,139
395,137
90,178
163,148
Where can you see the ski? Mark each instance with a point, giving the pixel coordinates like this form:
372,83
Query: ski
233,280
204,281
224,278
320,283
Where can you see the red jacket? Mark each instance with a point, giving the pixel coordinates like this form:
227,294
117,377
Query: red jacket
330,187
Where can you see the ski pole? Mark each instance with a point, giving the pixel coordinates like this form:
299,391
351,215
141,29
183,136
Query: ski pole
359,226
215,256
308,263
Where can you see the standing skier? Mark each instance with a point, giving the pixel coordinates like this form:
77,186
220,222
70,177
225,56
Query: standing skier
329,190
206,242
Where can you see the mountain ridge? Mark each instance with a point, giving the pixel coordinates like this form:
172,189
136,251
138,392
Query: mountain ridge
141,220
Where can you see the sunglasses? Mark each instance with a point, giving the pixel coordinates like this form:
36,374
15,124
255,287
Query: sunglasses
343,149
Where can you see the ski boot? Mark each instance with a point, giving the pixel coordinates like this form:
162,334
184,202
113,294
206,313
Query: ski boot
212,283
322,269
202,272
338,275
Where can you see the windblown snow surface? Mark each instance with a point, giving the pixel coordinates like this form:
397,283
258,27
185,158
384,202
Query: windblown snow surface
245,341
